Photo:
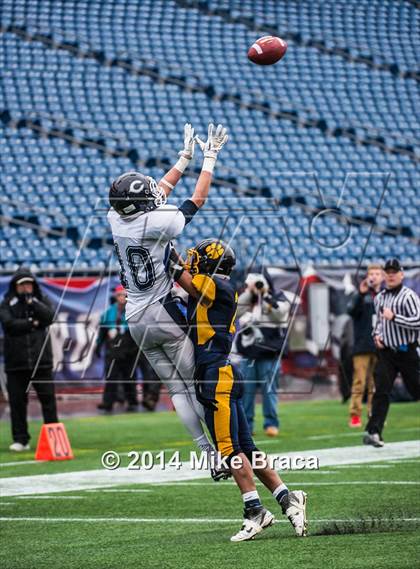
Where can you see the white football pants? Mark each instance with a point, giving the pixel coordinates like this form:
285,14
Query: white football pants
159,331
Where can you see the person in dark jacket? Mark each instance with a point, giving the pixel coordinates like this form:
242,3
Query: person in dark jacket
26,314
362,310
120,354
263,322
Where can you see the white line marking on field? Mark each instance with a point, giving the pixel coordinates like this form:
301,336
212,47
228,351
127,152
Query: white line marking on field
332,483
120,490
187,520
332,436
312,472
268,442
355,482
154,450
403,461
356,433
187,483
22,462
49,497
89,479
390,465
19,462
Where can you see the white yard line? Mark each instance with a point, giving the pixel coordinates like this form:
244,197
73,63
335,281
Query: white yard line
356,482
41,497
379,466
267,441
223,485
155,450
186,520
357,432
301,483
22,462
19,462
323,471
404,461
136,490
91,479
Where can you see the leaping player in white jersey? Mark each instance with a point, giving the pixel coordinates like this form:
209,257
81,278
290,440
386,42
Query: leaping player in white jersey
142,227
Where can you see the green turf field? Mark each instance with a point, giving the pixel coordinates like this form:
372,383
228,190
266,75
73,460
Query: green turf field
360,515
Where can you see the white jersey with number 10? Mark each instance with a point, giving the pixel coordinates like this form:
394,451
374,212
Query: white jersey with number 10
141,246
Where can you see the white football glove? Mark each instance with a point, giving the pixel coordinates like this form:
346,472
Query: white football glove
189,142
216,139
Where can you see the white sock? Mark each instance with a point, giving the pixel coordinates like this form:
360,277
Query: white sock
251,500
253,495
280,492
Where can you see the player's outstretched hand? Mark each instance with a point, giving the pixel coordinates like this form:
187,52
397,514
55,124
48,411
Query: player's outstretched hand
189,142
216,139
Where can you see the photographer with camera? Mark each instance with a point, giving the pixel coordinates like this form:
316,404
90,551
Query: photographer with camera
26,314
362,310
263,322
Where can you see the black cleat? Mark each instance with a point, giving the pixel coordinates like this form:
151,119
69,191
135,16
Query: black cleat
220,473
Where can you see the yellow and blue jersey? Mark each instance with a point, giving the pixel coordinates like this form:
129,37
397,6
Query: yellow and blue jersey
211,318
218,383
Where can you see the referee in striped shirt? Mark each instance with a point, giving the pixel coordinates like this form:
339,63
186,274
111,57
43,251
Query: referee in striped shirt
396,334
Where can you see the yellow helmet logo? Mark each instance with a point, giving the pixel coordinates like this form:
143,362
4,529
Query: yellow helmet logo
214,251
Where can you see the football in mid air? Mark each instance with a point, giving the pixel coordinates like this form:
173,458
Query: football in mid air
267,50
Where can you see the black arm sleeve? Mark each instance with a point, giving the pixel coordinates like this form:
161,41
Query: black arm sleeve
189,209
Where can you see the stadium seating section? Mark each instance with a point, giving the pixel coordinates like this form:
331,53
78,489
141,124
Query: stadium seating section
91,88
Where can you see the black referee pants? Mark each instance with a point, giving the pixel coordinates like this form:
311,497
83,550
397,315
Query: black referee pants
17,388
389,364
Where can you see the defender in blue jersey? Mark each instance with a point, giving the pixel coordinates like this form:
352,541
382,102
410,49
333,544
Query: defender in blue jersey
211,312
